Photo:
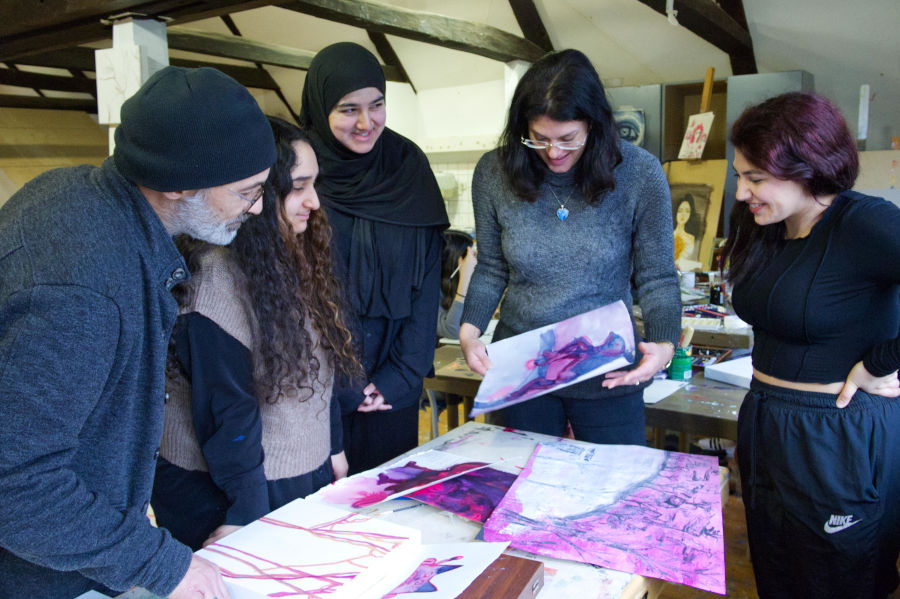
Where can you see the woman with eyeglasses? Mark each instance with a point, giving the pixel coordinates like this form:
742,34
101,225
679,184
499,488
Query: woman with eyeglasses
388,214
250,423
570,218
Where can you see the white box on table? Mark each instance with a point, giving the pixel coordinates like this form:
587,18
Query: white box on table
735,372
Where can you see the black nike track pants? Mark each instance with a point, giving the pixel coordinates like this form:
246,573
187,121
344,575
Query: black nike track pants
821,489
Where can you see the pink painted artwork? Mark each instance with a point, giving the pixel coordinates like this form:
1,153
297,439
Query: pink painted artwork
397,479
556,356
630,508
422,579
308,550
695,136
473,495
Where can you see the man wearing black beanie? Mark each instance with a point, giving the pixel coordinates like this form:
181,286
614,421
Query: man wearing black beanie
87,263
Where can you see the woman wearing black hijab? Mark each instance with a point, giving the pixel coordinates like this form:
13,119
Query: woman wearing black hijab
387,214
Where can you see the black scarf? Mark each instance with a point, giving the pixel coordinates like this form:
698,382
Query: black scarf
393,182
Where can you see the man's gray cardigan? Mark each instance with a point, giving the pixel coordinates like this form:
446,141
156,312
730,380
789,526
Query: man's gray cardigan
86,268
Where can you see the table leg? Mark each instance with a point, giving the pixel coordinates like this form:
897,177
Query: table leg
433,409
452,414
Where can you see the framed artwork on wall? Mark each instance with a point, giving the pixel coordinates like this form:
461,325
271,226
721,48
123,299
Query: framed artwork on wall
696,187
690,216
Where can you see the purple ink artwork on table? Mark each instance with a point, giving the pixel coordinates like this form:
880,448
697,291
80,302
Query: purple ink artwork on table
473,495
305,550
401,477
635,509
420,580
556,356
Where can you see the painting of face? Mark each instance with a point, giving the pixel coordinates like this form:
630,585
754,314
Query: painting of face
302,200
357,120
545,129
690,204
683,213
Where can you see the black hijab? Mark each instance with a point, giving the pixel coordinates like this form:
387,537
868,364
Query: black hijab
393,182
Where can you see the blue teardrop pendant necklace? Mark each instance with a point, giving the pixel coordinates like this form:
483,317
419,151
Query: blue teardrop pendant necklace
562,213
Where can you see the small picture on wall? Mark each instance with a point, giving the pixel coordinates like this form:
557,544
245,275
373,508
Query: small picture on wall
690,223
631,125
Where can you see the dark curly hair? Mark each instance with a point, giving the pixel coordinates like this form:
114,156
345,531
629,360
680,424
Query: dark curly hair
563,86
291,284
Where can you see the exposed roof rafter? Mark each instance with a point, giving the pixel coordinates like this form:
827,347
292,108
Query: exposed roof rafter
229,46
35,26
386,51
430,28
706,19
530,23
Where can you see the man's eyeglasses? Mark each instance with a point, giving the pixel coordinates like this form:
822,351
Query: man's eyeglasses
251,199
565,146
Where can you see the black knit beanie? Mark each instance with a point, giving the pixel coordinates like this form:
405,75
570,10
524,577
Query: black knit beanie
189,129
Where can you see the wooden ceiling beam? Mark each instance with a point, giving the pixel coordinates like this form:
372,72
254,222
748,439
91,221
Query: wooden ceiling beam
35,26
38,81
386,51
83,59
742,63
706,19
530,23
474,38
86,105
228,46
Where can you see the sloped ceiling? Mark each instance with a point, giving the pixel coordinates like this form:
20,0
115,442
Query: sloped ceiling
628,41
631,42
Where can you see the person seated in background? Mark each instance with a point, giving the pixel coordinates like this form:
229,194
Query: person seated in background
250,423
458,262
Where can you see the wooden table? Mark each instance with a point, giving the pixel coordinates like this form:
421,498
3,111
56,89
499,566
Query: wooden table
700,409
564,579
453,376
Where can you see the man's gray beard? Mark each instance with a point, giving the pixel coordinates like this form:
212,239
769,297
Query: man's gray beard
197,219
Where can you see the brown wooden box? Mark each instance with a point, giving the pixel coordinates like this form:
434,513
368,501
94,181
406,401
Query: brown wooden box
508,577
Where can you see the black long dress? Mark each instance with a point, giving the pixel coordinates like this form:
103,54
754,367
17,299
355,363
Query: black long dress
387,214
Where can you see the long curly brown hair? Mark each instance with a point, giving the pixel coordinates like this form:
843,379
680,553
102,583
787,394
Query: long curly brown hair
291,285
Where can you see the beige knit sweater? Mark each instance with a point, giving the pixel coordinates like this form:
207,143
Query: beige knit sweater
296,435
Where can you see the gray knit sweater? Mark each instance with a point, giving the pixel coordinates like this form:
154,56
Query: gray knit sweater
552,270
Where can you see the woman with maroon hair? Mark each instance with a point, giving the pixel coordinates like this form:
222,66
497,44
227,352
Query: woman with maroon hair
815,269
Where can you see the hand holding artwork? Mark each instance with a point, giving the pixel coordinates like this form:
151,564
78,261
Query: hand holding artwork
473,349
656,356
374,401
860,378
201,580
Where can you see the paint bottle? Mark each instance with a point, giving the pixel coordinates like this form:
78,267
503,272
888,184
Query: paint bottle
680,367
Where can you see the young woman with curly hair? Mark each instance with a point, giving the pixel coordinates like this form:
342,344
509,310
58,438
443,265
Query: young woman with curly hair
250,422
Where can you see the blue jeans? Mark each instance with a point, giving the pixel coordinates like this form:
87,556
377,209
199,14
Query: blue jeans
615,420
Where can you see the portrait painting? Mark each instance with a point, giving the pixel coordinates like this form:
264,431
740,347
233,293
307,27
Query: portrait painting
631,125
690,222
